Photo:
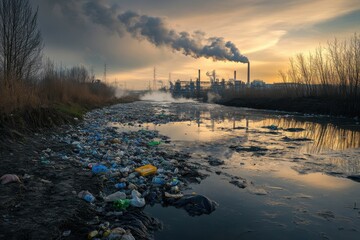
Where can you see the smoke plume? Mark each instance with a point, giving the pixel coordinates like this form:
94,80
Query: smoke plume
156,31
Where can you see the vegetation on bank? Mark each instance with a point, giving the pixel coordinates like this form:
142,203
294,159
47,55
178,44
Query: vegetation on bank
33,92
329,78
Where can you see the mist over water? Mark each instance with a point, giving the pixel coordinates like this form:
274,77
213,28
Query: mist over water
164,97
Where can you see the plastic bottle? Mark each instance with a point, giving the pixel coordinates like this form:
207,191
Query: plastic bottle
99,169
87,196
115,196
122,204
158,180
120,185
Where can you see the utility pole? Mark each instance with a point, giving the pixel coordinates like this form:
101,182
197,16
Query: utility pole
104,79
154,81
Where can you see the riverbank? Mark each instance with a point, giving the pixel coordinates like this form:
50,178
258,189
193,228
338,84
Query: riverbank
305,105
55,167
32,119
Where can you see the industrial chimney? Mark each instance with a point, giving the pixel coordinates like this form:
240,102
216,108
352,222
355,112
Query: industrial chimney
248,74
235,75
198,85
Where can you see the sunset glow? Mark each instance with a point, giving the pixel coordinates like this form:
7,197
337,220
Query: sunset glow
268,33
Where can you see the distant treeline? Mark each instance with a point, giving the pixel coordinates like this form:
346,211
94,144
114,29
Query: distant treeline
329,77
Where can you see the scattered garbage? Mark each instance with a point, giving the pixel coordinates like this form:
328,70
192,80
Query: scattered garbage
120,185
99,169
136,200
93,234
9,178
146,170
154,143
195,205
122,204
115,196
66,233
87,196
176,196
158,180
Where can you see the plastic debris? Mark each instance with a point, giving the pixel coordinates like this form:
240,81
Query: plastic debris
154,143
146,170
93,234
169,195
122,204
115,196
120,185
87,196
136,200
158,180
99,169
174,182
195,205
8,178
66,233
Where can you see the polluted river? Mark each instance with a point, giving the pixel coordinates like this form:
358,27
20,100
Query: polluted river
273,175
220,172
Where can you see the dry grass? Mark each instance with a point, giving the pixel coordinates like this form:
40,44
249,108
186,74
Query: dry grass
20,95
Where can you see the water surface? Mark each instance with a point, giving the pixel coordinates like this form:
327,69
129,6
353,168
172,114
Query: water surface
298,180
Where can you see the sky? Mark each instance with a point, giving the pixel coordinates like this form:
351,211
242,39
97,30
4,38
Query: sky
180,37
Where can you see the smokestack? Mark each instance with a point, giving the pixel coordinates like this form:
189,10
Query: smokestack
248,74
235,75
199,76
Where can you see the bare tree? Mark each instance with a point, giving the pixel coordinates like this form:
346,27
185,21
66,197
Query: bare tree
20,40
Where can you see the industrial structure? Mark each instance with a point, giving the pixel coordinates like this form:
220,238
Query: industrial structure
197,88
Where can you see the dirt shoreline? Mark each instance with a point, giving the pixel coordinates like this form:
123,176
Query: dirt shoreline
43,205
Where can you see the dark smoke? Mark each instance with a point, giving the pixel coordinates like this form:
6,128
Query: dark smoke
154,30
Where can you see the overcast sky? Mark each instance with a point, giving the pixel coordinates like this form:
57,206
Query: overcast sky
91,33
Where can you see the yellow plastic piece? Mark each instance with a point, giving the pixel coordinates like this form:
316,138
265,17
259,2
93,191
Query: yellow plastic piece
146,170
93,234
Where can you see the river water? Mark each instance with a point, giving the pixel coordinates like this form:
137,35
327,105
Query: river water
296,168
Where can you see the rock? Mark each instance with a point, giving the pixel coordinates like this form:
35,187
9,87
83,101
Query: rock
355,178
215,161
239,184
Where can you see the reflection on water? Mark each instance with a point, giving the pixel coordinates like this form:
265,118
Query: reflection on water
281,135
324,135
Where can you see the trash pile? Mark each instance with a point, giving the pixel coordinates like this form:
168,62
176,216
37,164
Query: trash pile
136,168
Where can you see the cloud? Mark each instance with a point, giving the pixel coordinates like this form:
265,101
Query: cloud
267,31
